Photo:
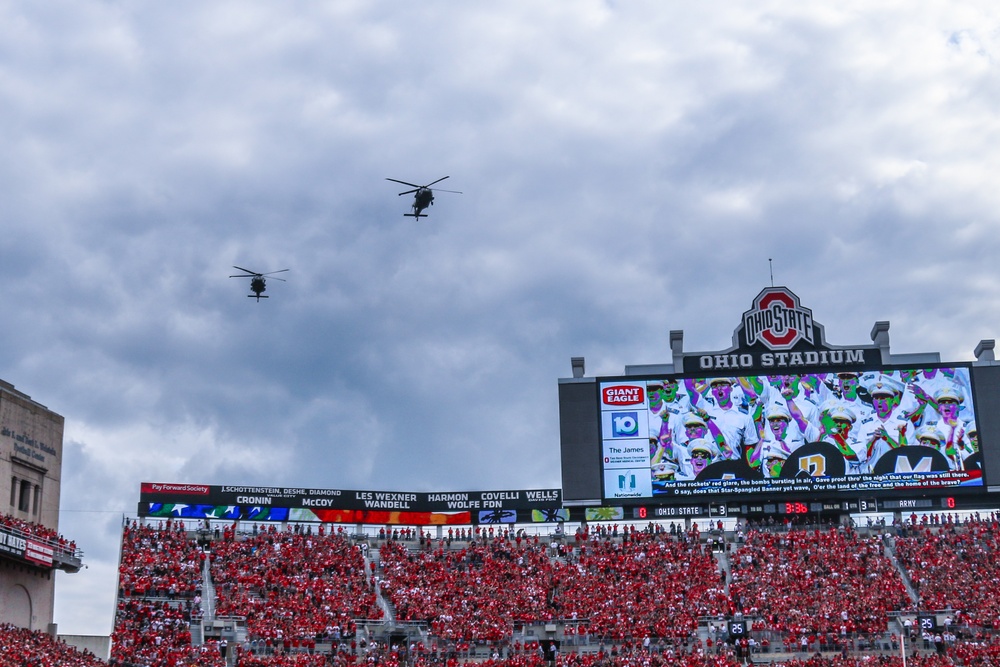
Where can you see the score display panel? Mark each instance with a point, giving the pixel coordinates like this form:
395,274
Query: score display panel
895,432
799,507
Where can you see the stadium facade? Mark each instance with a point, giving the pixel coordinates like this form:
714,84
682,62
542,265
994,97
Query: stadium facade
31,457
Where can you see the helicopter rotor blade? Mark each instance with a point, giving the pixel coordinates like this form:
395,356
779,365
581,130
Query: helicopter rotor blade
437,181
454,192
408,192
273,272
252,273
412,185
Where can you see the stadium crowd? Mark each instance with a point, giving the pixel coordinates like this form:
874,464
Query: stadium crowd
648,584
293,586
476,592
816,581
954,567
38,532
632,598
20,647
160,561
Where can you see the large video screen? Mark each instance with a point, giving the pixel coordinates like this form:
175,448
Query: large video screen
851,431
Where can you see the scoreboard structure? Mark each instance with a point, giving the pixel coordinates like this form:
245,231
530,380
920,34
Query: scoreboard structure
783,423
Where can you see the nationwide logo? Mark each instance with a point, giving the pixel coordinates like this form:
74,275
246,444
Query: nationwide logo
777,320
621,394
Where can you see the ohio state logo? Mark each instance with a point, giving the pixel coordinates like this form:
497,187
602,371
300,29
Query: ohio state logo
777,320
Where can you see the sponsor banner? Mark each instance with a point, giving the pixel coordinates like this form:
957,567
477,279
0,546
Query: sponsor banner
623,424
626,454
25,548
258,513
550,516
370,517
604,513
497,516
38,553
12,545
341,499
178,489
633,482
393,518
623,394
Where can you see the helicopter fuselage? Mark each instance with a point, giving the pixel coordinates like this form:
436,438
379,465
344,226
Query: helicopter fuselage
258,286
421,200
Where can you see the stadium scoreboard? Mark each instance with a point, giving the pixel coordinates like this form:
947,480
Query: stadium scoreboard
783,423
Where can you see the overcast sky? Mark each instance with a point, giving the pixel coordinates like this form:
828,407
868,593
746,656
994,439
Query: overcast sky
627,168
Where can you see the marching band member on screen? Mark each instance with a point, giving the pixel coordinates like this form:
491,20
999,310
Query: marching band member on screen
921,386
733,423
928,436
663,447
692,428
666,396
972,434
835,425
665,471
792,397
954,443
701,454
886,426
844,386
779,435
696,428
666,407
663,439
774,459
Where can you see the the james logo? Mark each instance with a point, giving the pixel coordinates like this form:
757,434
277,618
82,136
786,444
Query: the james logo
621,394
777,320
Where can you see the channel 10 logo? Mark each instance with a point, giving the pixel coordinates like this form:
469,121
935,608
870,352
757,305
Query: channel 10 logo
624,424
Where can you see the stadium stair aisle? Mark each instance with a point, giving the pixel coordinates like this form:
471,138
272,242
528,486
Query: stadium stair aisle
890,553
208,590
373,555
725,567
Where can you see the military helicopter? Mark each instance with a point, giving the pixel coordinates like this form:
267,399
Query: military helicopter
257,282
423,195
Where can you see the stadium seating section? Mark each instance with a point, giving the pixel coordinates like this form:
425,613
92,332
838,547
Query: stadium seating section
60,545
822,596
